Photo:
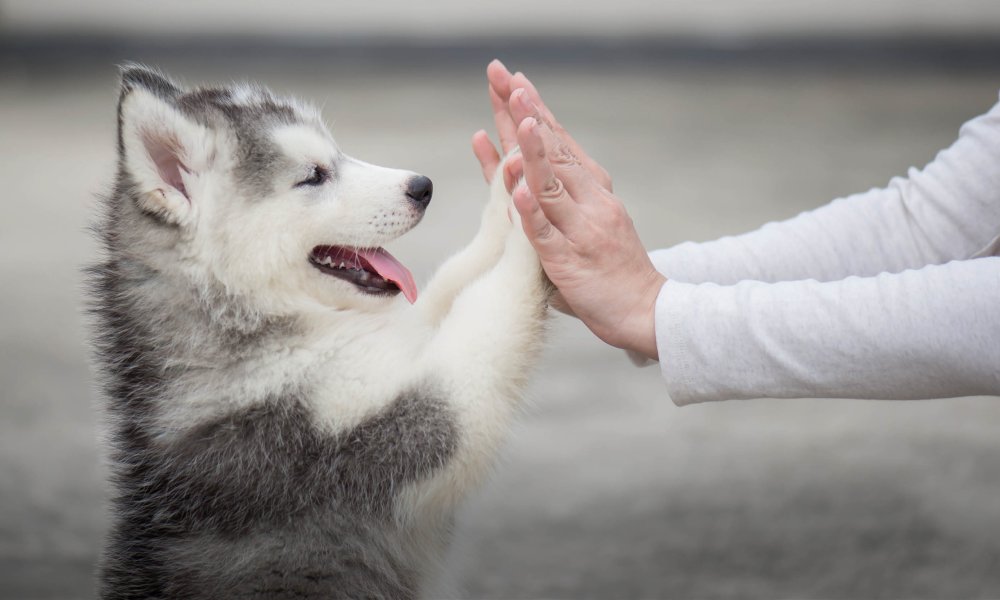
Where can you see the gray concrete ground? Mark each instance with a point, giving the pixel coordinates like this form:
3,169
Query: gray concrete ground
606,489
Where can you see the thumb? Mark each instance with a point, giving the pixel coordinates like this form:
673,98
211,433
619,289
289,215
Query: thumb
486,154
513,171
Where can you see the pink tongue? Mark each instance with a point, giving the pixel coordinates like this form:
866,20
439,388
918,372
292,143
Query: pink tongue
391,269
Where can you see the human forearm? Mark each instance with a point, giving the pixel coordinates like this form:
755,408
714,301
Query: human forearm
918,334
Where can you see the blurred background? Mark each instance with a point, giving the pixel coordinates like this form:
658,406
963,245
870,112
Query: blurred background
713,117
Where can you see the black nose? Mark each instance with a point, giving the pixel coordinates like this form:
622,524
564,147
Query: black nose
419,190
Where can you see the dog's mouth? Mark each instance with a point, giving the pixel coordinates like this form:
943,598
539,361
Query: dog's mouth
372,270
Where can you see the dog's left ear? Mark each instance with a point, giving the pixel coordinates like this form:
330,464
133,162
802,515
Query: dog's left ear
161,150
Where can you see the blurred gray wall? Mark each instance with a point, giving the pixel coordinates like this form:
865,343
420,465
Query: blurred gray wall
461,18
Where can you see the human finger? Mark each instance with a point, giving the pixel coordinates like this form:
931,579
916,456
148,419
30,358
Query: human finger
520,81
486,154
521,107
556,202
506,127
499,77
513,170
564,161
543,235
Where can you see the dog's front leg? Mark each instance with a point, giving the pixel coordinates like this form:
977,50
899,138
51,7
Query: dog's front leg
479,256
480,359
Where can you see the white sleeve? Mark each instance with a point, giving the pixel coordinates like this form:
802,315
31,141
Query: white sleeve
928,333
948,210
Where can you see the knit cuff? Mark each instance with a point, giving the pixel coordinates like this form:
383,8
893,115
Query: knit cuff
675,305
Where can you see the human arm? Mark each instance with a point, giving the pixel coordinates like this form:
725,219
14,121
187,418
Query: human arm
933,332
927,333
892,303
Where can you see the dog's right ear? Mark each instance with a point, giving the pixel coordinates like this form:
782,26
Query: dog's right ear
162,150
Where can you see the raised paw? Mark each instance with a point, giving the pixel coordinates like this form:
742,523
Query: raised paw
498,213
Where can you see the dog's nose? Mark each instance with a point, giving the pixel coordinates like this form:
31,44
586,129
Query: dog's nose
419,190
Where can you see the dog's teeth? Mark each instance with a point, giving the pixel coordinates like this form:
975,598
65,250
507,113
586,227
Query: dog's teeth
341,264
326,261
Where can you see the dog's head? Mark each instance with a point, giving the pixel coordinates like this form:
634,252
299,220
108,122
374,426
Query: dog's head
237,189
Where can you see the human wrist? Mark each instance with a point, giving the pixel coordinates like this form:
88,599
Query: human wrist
639,333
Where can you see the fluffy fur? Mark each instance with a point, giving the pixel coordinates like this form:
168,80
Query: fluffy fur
277,432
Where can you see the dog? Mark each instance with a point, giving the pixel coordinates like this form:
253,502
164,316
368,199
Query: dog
281,422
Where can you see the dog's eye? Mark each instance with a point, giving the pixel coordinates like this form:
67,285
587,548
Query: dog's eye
317,176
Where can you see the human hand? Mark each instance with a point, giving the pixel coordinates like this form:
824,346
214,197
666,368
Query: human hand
584,237
501,84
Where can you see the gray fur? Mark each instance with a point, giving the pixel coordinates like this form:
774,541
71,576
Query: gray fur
216,107
257,502
261,500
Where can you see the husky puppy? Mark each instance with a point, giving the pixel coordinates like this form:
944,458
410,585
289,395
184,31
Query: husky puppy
282,423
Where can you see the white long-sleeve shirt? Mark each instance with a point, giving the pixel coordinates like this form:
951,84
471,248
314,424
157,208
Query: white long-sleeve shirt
889,294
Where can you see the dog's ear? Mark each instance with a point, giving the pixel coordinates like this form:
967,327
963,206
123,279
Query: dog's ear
161,150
